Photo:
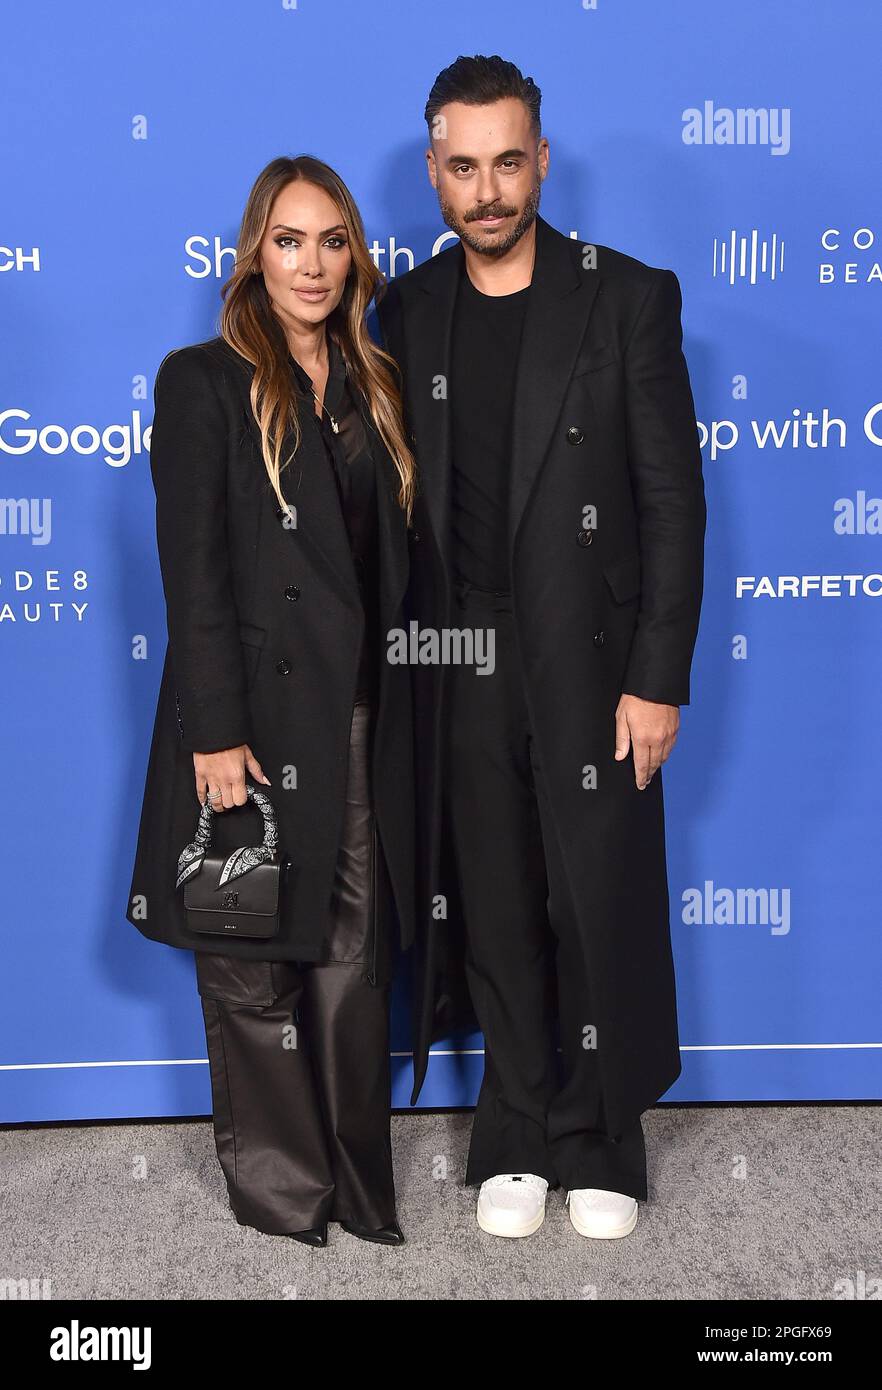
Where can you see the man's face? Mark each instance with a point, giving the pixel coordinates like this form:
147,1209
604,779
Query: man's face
486,166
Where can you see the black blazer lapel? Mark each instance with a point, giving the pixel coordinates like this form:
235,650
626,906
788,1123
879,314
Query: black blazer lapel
558,307
308,484
428,368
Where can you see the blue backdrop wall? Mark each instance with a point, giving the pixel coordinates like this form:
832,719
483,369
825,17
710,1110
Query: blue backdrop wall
131,137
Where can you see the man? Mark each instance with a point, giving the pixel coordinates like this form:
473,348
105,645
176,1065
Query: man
562,515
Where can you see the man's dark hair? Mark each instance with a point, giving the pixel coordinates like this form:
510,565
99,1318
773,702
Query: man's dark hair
479,81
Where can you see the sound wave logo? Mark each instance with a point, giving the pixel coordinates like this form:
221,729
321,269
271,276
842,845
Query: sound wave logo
748,257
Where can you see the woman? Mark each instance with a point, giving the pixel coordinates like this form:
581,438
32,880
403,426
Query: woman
284,484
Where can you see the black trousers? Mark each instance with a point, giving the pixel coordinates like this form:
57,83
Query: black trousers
540,1110
299,1053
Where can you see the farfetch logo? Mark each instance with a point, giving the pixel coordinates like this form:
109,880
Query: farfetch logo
19,258
801,586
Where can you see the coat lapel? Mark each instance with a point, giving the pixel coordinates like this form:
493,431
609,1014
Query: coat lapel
558,307
428,372
308,484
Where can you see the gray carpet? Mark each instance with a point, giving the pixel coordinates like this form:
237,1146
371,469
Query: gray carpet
745,1203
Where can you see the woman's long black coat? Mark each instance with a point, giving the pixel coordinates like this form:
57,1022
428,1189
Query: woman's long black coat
265,624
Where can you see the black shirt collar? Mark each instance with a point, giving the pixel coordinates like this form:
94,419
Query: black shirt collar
336,375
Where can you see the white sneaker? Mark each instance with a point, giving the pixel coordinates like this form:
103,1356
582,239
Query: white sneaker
512,1204
603,1215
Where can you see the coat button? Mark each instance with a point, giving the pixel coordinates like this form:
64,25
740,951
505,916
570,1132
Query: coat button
574,435
414,535
598,638
284,667
585,537
292,592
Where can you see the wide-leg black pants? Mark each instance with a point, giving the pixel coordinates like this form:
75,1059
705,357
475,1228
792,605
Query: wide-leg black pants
538,1111
299,1053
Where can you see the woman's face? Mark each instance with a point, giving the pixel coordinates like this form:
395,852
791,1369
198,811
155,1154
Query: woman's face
305,254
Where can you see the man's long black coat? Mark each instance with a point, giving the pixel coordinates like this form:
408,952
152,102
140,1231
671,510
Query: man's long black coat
603,417
265,625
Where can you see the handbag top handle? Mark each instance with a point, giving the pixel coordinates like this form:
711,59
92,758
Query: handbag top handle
240,860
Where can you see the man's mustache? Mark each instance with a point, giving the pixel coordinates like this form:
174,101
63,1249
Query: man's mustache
478,213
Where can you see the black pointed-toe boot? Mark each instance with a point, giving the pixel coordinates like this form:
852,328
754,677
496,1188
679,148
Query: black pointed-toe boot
383,1235
315,1235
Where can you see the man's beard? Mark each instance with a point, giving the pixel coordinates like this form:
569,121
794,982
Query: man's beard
493,246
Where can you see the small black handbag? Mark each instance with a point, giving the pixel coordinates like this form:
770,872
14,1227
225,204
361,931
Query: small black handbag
238,892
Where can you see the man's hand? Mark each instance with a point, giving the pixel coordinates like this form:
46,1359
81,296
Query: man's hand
651,730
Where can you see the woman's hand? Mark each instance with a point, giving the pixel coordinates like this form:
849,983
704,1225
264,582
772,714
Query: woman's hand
225,772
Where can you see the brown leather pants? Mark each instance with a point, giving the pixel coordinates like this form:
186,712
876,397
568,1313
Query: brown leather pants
299,1053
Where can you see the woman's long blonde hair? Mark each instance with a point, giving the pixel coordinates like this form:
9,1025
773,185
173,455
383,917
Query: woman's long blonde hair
250,325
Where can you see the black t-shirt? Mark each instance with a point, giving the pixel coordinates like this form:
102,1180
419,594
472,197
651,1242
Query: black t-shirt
484,354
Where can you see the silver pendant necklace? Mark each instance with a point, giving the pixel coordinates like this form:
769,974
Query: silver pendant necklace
334,426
